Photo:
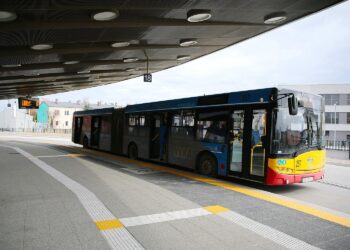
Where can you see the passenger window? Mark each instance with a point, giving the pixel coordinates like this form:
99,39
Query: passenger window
183,125
212,127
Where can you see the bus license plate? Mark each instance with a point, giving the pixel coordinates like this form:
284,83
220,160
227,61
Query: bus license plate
307,179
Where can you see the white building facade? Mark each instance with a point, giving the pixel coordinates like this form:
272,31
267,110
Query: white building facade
61,114
337,108
12,119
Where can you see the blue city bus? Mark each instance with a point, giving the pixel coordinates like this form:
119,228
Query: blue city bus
272,136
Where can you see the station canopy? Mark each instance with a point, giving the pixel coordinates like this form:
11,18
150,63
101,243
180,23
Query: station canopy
52,46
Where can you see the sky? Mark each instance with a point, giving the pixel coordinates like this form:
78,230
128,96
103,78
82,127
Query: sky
312,50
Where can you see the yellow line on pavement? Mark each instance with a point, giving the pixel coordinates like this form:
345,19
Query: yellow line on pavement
108,224
219,183
74,155
216,209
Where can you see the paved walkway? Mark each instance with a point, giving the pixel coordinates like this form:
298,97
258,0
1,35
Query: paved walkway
338,157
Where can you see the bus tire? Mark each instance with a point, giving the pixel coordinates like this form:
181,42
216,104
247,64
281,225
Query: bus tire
85,142
207,165
132,151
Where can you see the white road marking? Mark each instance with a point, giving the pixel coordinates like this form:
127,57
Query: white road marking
162,217
136,170
49,156
267,232
117,238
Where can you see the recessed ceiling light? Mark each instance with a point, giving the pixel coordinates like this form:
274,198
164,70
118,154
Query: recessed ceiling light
71,62
130,69
120,44
275,18
187,42
195,16
107,15
11,65
41,46
130,59
7,16
183,58
84,72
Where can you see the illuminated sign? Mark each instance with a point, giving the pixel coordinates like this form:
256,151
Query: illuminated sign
28,103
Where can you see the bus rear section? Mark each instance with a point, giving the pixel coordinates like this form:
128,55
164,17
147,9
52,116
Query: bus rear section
100,129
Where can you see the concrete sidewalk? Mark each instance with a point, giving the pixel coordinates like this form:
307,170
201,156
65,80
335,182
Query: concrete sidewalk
338,157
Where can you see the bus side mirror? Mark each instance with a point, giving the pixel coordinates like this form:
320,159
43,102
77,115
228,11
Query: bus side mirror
293,105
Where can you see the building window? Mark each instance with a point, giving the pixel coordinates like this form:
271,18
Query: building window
66,112
57,112
330,118
66,123
348,118
348,99
331,99
327,133
56,123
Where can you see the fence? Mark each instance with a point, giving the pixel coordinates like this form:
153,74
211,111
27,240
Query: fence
37,130
337,145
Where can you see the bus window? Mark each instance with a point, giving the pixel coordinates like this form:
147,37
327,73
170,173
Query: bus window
183,125
211,127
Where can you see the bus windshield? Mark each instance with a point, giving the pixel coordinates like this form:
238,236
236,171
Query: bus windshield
296,133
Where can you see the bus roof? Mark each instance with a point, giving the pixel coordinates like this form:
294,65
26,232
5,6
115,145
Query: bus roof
104,111
241,97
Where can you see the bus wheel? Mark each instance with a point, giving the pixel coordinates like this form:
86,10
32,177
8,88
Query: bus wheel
207,165
85,142
132,152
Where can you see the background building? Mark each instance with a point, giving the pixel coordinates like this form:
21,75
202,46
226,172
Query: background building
337,101
12,119
59,115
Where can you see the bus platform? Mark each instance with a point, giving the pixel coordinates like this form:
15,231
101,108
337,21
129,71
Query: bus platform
66,197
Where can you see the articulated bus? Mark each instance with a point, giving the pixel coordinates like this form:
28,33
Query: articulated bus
272,136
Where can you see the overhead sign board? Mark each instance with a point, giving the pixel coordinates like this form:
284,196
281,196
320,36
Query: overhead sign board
147,77
28,103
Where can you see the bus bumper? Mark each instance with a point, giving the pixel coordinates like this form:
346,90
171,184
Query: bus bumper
274,178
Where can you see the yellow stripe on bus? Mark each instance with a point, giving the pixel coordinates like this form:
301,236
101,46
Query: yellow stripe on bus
249,192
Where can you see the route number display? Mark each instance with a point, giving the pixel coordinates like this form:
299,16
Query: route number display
28,103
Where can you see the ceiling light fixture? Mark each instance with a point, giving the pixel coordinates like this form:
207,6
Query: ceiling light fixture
11,65
41,46
7,16
275,18
130,59
106,15
120,44
71,62
195,16
130,69
183,58
187,42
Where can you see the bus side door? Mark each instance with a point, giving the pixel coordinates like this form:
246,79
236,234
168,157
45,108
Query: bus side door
247,143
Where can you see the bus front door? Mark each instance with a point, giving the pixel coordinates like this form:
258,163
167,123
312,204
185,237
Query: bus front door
247,144
95,131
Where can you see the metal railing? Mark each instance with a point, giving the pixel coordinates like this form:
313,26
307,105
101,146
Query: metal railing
337,145
37,130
